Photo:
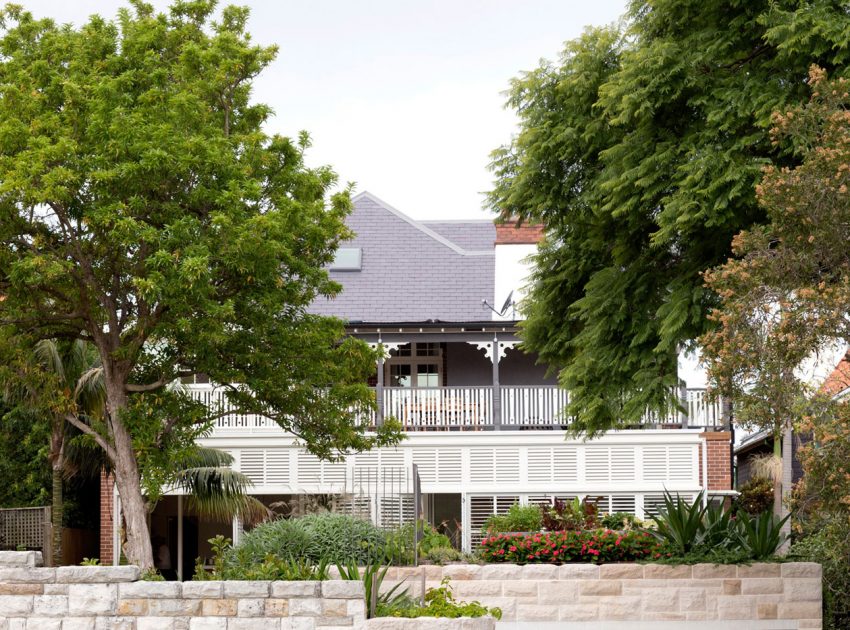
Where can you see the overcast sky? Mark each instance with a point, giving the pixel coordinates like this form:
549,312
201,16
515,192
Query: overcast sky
402,97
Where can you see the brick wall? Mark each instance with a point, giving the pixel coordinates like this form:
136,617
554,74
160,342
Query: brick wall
509,234
107,483
718,445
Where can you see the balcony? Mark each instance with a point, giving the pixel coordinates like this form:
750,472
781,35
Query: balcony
521,407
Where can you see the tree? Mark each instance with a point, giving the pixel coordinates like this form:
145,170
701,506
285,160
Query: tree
786,295
143,209
639,153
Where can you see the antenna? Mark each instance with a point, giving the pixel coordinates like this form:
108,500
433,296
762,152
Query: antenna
509,302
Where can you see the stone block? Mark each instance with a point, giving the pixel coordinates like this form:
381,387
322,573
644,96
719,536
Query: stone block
459,572
12,605
296,589
810,624
83,623
557,592
520,588
713,571
692,599
149,590
579,612
250,607
334,623
668,572
92,599
667,601
207,623
20,559
799,610
699,615
174,607
277,607
736,607
55,589
801,570
203,590
536,612
115,623
766,610
356,608
803,589
248,588
578,572
760,570
133,607
155,623
50,605
501,572
476,588
305,607
600,587
760,586
731,587
540,572
21,589
45,623
621,572
26,575
254,624
98,575
335,607
218,607
616,608
343,589
667,615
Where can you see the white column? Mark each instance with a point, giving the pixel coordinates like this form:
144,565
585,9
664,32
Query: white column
237,530
180,537
116,527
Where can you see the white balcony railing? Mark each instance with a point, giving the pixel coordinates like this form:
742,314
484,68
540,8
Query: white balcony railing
466,408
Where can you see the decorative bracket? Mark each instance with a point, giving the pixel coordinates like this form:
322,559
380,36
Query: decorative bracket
388,346
487,347
504,346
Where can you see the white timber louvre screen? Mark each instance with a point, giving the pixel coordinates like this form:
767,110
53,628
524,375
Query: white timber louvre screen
481,507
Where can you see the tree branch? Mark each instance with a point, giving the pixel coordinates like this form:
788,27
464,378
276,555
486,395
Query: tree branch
82,426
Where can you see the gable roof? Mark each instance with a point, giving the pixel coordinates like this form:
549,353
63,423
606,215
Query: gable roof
412,272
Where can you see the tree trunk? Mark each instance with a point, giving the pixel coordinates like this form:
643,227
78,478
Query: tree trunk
128,481
787,479
57,510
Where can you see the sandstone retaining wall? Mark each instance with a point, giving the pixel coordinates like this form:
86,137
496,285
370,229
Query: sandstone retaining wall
766,595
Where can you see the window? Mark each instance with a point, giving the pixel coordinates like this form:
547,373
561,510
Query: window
415,365
347,259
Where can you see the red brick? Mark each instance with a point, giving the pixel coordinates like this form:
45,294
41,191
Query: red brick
526,234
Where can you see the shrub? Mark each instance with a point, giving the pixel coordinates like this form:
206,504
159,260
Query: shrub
619,520
760,536
399,543
569,515
519,518
570,546
272,567
443,555
680,524
830,546
756,496
333,538
440,602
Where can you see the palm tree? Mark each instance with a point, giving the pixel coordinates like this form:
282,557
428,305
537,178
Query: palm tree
70,389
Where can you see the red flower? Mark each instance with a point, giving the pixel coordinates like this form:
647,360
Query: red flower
512,547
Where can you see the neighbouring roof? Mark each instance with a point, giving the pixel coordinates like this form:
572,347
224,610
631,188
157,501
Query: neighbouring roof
413,271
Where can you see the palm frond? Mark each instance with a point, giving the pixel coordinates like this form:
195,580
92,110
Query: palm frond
220,494
47,354
206,457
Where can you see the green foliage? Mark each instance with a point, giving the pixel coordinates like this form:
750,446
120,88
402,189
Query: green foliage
756,496
373,578
619,520
439,602
519,518
90,562
399,542
333,538
830,547
569,515
760,536
639,151
151,575
144,208
680,524
597,546
272,567
443,555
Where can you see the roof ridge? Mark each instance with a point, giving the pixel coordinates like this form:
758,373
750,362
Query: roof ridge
423,228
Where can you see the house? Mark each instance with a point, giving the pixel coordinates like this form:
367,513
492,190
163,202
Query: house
483,419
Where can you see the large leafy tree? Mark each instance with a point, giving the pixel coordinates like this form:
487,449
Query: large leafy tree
785,297
639,152
144,209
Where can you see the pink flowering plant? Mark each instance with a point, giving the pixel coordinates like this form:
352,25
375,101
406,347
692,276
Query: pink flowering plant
596,546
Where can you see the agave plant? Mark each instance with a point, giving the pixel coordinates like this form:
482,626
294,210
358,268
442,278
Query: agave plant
680,524
373,577
760,536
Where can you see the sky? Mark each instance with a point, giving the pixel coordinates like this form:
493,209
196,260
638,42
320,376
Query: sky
404,98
